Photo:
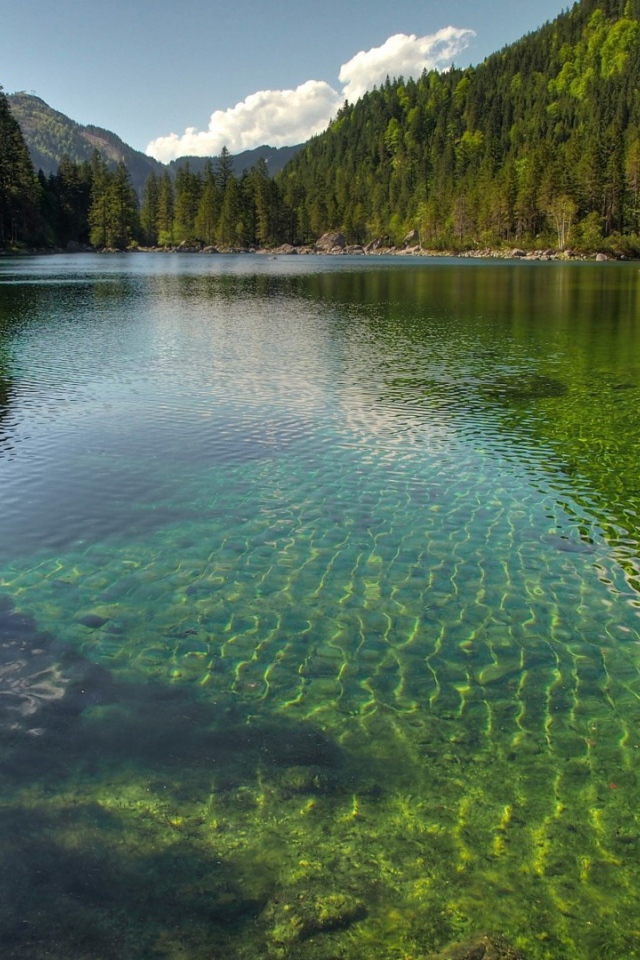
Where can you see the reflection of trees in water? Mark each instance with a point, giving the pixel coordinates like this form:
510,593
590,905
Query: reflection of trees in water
6,398
8,323
544,357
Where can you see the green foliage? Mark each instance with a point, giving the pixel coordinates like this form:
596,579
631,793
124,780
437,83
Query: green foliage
620,44
208,207
536,142
164,215
149,210
188,188
590,232
113,216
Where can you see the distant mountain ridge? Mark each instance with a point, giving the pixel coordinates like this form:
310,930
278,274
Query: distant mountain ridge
274,157
50,135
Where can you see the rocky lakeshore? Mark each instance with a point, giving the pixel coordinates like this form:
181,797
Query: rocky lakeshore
335,244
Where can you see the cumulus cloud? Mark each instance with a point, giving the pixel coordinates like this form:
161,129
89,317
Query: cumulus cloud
401,56
285,117
277,117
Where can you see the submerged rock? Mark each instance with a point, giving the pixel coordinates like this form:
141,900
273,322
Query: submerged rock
35,674
527,387
297,914
485,947
93,621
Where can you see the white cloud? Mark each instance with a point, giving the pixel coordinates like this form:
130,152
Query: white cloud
285,117
401,56
277,117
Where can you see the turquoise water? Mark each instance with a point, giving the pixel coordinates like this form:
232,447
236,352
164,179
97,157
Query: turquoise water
319,610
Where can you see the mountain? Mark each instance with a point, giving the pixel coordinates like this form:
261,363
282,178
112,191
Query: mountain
50,135
537,145
274,157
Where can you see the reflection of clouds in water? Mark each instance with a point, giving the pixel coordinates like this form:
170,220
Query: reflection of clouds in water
370,414
396,405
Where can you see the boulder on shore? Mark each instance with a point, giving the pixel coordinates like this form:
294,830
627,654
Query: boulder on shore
331,243
381,243
190,246
74,246
412,239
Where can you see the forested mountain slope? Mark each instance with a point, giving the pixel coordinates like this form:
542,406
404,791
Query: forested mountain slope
275,159
18,186
52,136
540,143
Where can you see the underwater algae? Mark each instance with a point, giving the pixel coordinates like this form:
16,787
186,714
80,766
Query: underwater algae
369,690
292,796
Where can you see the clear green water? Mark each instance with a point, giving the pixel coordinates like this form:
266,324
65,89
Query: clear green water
319,609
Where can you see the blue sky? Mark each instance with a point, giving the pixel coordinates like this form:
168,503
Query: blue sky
239,71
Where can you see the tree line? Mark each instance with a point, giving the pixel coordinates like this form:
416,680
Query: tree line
89,203
540,144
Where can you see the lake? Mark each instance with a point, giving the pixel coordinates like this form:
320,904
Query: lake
319,607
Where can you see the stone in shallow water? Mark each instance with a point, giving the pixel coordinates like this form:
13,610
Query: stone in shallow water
568,545
29,675
93,621
486,947
531,387
298,913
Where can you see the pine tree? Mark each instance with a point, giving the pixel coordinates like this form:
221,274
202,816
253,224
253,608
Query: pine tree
263,203
164,217
149,210
123,217
223,169
188,188
99,210
70,190
229,232
19,187
208,207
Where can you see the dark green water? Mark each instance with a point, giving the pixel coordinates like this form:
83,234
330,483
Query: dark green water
319,608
